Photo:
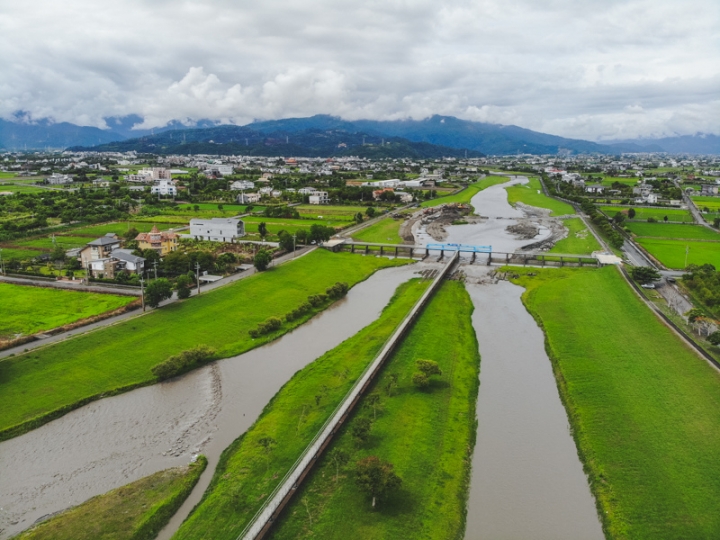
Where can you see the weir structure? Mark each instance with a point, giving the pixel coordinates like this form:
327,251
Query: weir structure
279,498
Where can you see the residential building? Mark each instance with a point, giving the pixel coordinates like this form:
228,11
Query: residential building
217,229
319,197
242,184
248,198
103,258
165,188
99,249
56,179
161,241
709,190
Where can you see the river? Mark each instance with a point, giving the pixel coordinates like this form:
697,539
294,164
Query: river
117,440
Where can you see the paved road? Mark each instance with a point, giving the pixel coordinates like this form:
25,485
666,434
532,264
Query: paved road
137,313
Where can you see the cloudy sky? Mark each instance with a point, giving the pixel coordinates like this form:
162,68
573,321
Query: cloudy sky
593,69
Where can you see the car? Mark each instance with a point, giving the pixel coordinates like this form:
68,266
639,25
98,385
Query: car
647,286
670,279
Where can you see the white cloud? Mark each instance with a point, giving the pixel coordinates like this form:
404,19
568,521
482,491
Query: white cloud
579,68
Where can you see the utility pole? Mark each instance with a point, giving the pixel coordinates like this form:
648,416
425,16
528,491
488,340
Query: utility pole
295,236
155,266
142,291
687,250
1,265
197,275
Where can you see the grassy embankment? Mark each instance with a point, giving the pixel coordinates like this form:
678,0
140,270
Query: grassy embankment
385,231
469,192
28,310
247,474
136,511
427,435
532,195
644,408
65,375
579,240
642,213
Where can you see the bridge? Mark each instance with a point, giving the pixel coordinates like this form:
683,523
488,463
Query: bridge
278,499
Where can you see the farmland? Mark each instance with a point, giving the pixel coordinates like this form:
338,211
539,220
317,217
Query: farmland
642,213
673,231
332,213
246,474
468,193
65,375
671,253
642,405
137,510
532,195
711,203
428,436
27,310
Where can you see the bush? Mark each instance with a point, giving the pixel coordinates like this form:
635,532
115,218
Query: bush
183,362
266,327
317,300
420,380
337,291
714,338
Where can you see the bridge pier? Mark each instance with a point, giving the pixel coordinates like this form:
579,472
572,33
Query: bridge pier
472,260
396,251
489,260
507,258
562,262
381,251
352,248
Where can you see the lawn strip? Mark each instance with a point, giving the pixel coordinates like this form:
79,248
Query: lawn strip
137,511
68,374
532,195
385,231
428,435
246,473
644,408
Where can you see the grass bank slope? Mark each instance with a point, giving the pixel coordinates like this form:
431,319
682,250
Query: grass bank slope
385,231
45,383
579,240
136,511
468,193
28,310
427,435
644,408
531,194
247,473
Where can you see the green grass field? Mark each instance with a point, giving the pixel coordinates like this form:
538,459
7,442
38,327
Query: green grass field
45,243
579,240
468,193
427,435
673,231
20,188
119,357
642,213
119,228
275,225
385,231
644,408
11,253
28,310
532,195
333,213
671,253
712,203
610,180
246,475
135,511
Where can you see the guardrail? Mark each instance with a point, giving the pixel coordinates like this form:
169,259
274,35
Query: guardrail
264,518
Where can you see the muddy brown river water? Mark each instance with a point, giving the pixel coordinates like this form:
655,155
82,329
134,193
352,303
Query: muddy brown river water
527,481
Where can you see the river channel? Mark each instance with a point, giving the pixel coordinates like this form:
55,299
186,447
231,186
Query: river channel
117,440
527,480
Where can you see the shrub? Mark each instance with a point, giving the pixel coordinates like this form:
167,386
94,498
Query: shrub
317,299
266,327
420,380
337,291
183,362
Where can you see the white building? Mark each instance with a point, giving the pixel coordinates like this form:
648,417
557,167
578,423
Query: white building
319,197
248,198
56,178
156,173
307,190
217,229
224,170
164,188
393,183
242,184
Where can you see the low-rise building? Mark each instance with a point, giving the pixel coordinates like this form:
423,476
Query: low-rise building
99,249
161,241
56,179
103,258
217,229
248,198
165,188
319,197
242,184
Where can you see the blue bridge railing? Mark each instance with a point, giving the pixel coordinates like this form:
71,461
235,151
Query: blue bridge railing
460,247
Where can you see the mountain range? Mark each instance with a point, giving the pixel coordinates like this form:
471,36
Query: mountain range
324,135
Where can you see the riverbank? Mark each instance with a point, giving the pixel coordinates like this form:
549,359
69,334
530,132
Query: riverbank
136,511
427,435
643,407
108,361
253,464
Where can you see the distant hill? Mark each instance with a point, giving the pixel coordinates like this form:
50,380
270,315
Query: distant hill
306,133
228,140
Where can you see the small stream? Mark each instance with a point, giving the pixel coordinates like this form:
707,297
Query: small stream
117,440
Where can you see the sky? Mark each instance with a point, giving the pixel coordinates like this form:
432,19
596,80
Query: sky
590,69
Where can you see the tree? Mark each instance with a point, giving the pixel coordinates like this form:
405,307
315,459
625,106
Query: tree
426,369
644,274
339,458
58,254
262,259
157,291
631,213
286,241
131,234
358,217
183,286
714,338
420,380
716,222
220,207
619,217
665,219
392,384
361,429
370,212
262,230
694,314
196,208
376,478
